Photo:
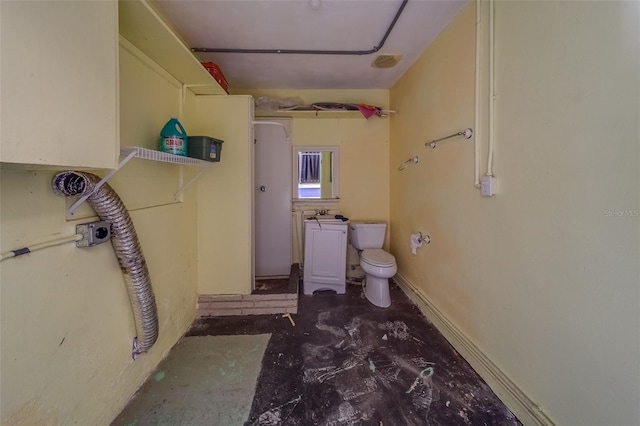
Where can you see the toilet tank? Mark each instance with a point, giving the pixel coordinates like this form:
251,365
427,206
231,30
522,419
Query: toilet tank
366,235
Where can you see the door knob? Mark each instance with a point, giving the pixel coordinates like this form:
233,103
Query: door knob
263,188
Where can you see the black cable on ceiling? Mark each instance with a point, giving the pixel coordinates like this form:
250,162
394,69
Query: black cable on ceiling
311,52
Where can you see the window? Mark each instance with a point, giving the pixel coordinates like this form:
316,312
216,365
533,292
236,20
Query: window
309,167
315,172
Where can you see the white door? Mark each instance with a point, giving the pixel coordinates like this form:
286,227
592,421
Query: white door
272,157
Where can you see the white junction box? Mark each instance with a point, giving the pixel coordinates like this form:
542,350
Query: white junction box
488,186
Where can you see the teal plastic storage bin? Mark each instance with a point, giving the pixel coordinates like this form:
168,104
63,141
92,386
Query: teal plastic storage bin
204,148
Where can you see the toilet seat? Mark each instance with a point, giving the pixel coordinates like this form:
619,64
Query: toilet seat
378,257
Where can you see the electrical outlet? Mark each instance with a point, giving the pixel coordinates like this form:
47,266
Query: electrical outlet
488,186
93,233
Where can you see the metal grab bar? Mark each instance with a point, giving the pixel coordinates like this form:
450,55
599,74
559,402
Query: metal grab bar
467,133
407,163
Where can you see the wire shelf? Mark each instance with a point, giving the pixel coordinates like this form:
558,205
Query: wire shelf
165,157
130,152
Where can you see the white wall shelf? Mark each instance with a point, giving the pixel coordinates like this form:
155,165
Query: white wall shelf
318,114
143,26
165,157
130,152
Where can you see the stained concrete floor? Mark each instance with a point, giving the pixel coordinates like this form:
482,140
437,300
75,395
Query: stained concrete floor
347,362
205,380
272,286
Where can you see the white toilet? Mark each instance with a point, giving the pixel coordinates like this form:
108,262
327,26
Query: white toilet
377,264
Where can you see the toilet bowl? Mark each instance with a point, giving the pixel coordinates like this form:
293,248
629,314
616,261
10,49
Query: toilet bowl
377,264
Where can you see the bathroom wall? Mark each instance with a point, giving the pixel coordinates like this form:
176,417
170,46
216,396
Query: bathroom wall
66,321
364,150
543,277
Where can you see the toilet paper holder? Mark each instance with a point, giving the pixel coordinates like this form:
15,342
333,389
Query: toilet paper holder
424,238
417,240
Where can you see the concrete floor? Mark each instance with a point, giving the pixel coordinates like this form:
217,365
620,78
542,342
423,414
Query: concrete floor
205,380
271,286
348,362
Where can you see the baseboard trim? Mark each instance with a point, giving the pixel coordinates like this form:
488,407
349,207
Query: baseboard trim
527,411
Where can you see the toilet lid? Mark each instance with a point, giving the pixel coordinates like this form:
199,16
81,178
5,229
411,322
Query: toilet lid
378,257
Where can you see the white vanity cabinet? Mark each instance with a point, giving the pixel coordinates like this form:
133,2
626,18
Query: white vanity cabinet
325,256
59,83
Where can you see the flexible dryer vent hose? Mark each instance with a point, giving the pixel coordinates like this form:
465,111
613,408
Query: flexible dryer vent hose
125,242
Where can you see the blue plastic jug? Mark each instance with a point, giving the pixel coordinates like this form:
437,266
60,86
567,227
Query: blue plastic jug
173,138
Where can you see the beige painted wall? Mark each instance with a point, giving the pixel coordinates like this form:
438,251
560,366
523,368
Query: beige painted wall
66,322
544,276
364,153
225,197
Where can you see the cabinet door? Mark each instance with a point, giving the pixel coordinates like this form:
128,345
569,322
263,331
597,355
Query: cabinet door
59,83
325,254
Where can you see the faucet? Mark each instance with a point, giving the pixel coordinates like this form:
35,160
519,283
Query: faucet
321,212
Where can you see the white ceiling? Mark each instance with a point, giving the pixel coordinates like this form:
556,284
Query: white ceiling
308,24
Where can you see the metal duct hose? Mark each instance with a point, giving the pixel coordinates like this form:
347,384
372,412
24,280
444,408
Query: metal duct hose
125,242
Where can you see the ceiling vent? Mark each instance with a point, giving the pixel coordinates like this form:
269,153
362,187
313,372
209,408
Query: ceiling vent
386,61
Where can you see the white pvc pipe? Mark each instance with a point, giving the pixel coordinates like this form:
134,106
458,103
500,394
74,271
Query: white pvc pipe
297,230
476,155
40,246
492,95
274,123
